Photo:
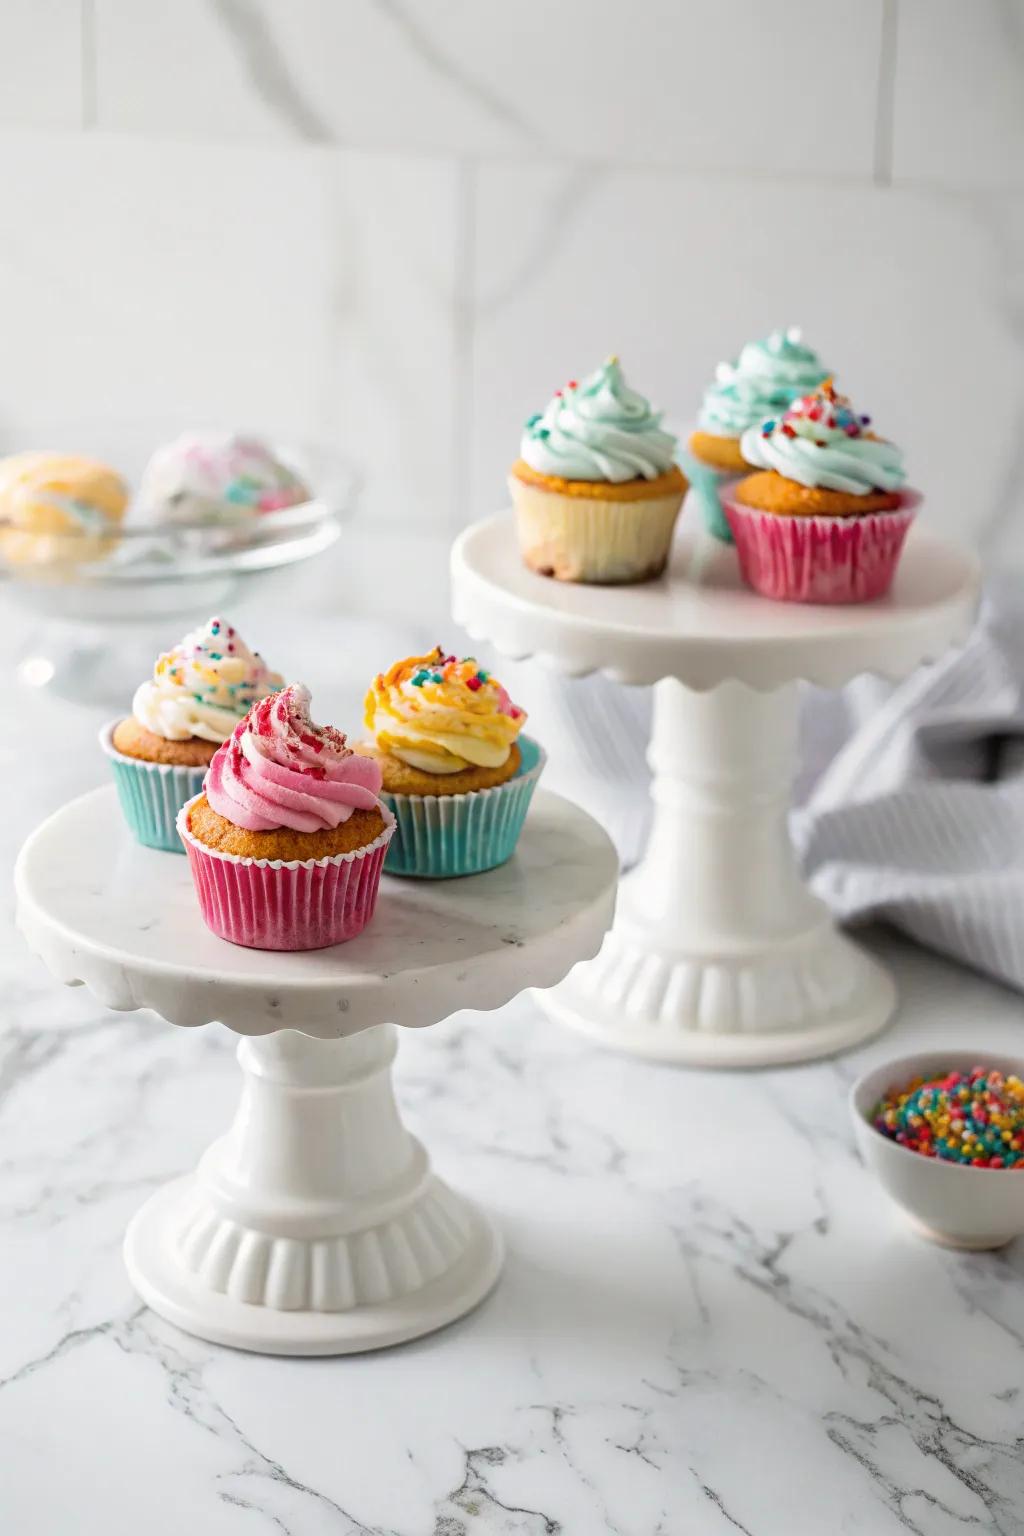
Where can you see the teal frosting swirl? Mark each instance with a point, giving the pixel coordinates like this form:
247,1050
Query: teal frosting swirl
599,430
767,376
820,441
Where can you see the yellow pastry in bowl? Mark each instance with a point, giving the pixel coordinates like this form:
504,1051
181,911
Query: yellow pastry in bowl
58,508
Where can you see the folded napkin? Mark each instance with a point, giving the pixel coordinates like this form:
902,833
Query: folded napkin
910,798
918,816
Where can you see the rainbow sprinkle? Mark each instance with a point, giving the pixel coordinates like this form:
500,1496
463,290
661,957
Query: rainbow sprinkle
974,1117
444,668
823,407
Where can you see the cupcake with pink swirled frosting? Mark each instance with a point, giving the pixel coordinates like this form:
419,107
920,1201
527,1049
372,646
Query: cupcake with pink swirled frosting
287,840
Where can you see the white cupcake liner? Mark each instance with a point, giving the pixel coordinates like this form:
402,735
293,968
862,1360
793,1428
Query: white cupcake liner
575,538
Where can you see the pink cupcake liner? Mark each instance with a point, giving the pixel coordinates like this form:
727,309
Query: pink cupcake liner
274,904
820,559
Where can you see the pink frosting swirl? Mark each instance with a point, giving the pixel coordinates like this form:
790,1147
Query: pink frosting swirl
278,769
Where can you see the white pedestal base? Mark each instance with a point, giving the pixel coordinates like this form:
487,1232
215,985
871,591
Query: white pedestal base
764,1010
719,954
315,1226
184,1299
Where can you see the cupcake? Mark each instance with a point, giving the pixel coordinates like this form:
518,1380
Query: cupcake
287,840
767,376
217,479
596,489
198,693
825,518
58,508
456,772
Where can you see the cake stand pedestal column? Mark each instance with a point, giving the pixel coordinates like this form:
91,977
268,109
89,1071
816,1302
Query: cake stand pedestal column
719,954
316,1221
315,1225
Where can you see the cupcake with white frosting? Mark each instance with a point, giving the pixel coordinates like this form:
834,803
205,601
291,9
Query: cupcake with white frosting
197,694
824,518
596,487
217,479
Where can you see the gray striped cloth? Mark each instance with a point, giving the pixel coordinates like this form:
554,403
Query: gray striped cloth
910,799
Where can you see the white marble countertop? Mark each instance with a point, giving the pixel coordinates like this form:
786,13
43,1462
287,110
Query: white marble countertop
709,1321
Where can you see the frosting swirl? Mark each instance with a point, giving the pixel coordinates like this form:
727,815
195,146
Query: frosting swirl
767,376
278,769
212,478
440,714
598,430
820,441
203,686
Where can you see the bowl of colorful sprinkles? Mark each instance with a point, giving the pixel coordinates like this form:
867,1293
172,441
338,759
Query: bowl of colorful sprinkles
944,1133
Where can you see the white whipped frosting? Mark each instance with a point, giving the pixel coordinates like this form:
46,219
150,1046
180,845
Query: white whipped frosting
204,686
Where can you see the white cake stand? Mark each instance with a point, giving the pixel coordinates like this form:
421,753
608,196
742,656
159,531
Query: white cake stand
315,1225
719,955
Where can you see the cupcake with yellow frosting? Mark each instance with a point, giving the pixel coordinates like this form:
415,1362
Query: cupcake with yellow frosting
58,509
456,772
196,696
596,487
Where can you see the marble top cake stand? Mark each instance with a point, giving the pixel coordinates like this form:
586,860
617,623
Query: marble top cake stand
315,1225
719,954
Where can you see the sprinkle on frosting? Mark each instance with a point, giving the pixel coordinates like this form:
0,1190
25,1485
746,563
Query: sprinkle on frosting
598,430
214,478
821,441
278,769
440,713
767,376
974,1117
203,686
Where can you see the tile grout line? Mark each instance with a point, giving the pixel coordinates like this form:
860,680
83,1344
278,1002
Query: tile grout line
464,325
87,63
885,99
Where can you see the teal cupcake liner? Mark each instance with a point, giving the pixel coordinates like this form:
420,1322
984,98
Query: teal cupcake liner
441,836
151,794
706,484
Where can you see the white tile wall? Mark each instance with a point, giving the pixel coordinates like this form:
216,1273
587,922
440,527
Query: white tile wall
397,224
730,84
41,67
959,115
902,291
302,292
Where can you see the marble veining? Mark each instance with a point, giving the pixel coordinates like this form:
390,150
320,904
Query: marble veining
680,1325
268,72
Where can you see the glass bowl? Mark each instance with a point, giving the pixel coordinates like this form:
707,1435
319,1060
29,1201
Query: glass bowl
88,587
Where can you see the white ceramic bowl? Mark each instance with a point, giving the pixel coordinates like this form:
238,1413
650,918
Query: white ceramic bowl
949,1203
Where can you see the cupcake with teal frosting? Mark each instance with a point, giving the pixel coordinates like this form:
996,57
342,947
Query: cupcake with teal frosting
596,487
767,377
824,517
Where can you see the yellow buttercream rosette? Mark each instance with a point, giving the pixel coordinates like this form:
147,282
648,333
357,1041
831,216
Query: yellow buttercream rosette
441,714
